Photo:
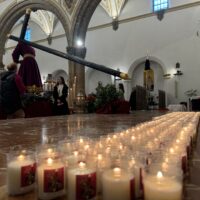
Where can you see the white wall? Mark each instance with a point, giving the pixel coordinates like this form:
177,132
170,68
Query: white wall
171,40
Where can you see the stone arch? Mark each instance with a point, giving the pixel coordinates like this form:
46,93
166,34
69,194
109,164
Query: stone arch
17,10
84,12
141,60
60,72
135,71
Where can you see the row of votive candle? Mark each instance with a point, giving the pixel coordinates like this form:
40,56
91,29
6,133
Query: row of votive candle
148,160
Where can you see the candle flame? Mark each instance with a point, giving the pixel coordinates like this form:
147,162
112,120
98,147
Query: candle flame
21,157
171,150
117,172
49,161
86,147
75,153
133,138
178,141
82,165
99,157
49,150
159,175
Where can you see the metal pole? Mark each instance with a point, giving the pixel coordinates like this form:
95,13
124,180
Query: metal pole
76,59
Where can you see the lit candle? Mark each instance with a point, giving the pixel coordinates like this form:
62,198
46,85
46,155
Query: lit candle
51,179
81,182
162,188
21,175
117,185
72,160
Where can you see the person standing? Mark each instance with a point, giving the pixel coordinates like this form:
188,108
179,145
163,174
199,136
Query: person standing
121,89
28,70
60,94
11,90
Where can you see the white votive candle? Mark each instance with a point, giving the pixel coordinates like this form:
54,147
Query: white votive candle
51,179
162,188
81,182
117,185
21,175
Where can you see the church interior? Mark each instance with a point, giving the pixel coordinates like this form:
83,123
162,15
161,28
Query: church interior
99,99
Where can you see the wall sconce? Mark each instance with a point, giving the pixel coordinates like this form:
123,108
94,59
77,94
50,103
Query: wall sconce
160,14
115,23
178,71
49,39
167,76
147,65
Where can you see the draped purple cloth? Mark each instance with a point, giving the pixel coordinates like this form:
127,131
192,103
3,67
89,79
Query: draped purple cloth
28,70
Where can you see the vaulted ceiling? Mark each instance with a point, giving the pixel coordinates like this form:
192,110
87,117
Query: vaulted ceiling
47,21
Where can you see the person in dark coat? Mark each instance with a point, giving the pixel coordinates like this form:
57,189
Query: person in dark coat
11,91
28,70
60,94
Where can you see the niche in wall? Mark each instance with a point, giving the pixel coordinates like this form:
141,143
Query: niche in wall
158,80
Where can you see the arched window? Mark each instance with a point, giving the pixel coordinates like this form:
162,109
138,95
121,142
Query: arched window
160,5
28,34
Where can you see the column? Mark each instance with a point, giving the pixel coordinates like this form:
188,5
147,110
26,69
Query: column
77,71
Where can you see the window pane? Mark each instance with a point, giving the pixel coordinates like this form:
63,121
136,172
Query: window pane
28,34
160,5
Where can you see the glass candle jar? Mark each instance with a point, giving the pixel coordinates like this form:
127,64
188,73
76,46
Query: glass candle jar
21,171
162,186
51,176
81,181
118,182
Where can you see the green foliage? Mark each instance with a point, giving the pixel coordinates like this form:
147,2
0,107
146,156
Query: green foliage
106,94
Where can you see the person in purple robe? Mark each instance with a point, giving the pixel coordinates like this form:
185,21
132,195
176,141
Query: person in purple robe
28,70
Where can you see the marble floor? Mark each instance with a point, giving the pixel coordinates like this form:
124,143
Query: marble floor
30,132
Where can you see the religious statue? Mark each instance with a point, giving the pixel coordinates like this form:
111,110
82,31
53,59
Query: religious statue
28,70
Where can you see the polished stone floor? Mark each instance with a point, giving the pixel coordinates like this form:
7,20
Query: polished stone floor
29,132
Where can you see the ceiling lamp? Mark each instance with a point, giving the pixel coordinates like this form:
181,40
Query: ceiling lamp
147,64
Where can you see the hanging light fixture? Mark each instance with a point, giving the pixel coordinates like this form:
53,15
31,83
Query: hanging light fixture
147,64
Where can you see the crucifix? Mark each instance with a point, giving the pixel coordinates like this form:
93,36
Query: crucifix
73,58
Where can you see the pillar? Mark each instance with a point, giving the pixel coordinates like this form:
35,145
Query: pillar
78,71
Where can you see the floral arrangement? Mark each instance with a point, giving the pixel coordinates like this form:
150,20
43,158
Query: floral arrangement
106,94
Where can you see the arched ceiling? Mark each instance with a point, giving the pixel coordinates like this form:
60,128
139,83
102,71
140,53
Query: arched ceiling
47,20
113,7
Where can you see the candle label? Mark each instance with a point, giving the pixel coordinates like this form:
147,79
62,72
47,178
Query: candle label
53,180
28,175
86,186
132,189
